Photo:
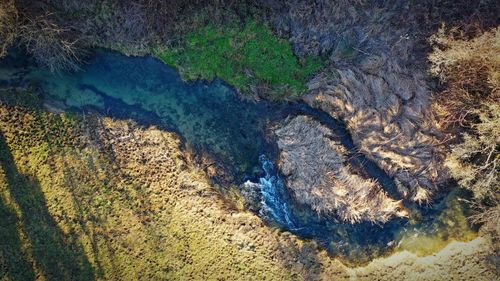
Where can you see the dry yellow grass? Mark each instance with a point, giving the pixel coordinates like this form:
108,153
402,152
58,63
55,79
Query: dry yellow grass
104,199
319,174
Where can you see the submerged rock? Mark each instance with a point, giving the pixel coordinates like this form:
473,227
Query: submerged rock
317,171
251,192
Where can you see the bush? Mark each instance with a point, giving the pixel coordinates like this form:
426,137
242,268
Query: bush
476,160
475,164
471,71
471,105
8,25
52,46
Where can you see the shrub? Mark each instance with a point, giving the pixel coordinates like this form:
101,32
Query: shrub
475,164
471,104
475,161
8,25
52,46
471,71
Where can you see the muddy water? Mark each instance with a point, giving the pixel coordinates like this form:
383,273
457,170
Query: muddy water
212,119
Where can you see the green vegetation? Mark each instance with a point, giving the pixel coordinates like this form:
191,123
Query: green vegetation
249,58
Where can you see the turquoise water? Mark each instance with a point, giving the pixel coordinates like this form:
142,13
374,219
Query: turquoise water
208,116
212,119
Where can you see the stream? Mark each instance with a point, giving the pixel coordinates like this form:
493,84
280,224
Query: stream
212,119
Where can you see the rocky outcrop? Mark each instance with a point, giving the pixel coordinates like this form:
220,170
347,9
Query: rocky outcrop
375,82
317,171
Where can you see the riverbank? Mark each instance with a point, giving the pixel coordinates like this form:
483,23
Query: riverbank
135,209
226,136
140,205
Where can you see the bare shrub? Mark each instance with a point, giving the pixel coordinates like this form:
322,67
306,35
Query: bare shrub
52,46
471,71
121,25
162,15
475,164
475,161
136,25
8,25
471,104
75,6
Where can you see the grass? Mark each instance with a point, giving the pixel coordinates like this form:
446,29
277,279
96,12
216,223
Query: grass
37,244
245,57
74,206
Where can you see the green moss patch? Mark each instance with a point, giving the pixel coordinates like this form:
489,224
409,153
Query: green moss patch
245,57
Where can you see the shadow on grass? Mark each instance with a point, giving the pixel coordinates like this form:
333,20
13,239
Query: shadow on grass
56,255
86,225
13,262
301,260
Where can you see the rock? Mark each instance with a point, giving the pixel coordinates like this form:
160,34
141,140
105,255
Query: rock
251,192
317,172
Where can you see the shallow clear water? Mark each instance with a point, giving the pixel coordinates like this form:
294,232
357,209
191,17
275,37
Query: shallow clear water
208,116
212,119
